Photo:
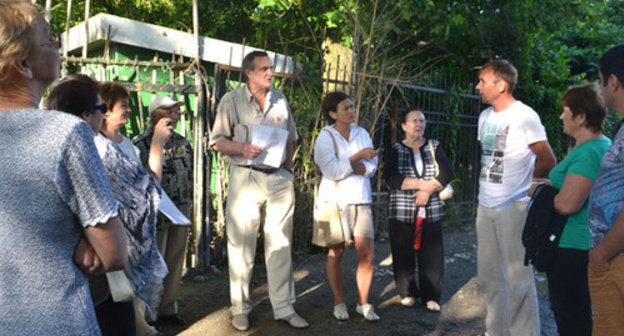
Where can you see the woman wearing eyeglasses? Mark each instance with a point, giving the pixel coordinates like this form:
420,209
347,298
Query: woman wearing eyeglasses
58,215
138,194
416,169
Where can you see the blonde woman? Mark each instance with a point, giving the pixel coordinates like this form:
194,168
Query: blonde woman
58,216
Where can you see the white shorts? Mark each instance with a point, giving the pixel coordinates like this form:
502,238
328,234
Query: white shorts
357,221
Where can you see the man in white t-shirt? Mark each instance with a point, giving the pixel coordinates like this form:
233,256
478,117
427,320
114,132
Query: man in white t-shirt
512,138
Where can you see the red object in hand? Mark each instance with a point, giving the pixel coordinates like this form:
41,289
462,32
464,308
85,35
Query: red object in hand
418,232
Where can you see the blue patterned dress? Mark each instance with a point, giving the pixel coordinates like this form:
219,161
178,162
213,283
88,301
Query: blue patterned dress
138,194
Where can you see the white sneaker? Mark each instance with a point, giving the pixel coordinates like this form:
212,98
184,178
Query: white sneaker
368,311
240,322
296,321
433,306
340,312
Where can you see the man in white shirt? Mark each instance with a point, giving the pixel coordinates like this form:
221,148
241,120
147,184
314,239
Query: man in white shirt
512,138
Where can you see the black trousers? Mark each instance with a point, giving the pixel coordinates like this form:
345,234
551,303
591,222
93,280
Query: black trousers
116,318
430,259
569,292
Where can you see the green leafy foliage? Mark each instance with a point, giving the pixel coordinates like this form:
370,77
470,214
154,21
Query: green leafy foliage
553,44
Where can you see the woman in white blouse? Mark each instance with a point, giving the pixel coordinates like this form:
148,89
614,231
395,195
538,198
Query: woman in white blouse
346,180
117,100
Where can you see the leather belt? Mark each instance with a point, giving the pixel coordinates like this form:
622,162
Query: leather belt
262,170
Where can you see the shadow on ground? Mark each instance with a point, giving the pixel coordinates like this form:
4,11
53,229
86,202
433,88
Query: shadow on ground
204,302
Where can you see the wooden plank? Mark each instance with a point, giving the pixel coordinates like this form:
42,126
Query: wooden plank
275,74
149,87
80,60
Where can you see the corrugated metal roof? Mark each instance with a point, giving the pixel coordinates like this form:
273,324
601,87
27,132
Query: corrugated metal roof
161,39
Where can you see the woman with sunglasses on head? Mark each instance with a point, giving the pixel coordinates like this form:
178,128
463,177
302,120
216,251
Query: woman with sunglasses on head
138,194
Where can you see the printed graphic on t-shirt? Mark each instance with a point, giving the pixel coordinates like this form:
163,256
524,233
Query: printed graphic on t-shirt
493,142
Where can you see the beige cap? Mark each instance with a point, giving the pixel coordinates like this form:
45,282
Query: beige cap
162,102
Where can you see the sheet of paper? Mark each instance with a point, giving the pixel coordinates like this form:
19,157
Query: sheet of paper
273,140
171,211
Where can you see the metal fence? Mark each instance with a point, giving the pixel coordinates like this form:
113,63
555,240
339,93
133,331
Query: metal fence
450,107
451,110
452,118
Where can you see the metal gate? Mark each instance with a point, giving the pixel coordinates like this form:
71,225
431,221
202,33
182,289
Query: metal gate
452,116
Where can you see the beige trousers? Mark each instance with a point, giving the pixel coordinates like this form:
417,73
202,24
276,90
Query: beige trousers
172,241
507,286
248,191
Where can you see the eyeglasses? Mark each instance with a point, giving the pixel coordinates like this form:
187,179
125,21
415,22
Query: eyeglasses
54,40
102,108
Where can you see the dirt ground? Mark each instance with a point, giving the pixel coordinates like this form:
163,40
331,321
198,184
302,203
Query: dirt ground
205,299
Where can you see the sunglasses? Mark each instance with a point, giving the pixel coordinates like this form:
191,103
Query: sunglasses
102,108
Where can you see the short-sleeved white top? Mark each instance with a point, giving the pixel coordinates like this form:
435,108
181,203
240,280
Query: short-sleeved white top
507,161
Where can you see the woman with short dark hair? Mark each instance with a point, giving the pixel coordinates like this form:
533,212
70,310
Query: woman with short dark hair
344,153
138,194
117,99
582,117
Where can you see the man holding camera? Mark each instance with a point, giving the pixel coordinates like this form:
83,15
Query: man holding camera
177,182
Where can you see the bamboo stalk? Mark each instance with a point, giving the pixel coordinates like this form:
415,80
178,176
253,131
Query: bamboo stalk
184,115
66,46
48,10
200,230
337,74
240,74
139,100
106,55
85,47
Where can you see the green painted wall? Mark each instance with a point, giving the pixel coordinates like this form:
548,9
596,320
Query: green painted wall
145,74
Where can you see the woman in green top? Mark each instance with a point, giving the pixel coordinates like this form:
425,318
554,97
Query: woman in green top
583,115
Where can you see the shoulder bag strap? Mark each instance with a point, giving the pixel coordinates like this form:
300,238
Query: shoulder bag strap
335,143
335,152
435,162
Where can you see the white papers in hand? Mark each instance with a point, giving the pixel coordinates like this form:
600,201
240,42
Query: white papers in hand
171,211
273,141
